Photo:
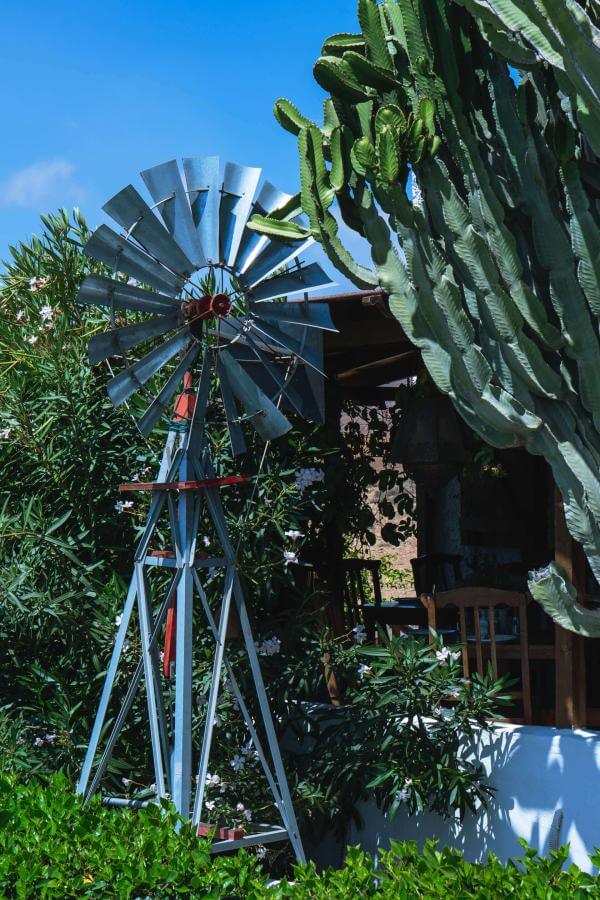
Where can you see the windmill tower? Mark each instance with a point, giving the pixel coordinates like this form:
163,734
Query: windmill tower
265,354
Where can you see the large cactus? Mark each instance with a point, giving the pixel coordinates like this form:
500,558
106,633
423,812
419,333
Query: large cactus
494,269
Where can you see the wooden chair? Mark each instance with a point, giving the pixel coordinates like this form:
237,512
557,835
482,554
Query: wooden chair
355,594
436,572
476,599
431,571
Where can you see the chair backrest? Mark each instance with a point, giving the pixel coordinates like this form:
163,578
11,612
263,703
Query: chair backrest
436,572
476,599
355,595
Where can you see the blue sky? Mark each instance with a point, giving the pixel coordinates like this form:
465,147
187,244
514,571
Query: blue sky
92,93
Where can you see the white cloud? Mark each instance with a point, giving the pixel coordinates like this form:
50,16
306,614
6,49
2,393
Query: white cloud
42,184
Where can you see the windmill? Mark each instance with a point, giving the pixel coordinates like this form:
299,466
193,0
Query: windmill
205,293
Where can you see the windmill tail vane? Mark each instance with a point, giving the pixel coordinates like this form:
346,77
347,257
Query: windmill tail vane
204,293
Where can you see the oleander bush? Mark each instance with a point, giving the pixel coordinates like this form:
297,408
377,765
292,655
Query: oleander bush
66,543
52,848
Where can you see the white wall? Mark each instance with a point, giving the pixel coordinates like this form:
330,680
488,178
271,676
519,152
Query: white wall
540,773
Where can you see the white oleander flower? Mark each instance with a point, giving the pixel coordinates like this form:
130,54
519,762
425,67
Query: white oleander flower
213,780
364,670
271,646
38,741
237,763
293,535
123,505
446,656
261,852
210,804
32,339
20,314
307,477
249,752
36,284
206,541
5,433
50,738
46,313
125,781
290,557
118,620
403,794
360,634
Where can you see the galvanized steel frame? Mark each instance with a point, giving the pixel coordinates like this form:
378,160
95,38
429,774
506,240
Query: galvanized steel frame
186,455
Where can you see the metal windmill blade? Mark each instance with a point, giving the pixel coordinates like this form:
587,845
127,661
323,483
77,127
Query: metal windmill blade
191,279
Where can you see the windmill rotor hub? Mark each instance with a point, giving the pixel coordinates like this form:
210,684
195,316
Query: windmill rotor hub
211,306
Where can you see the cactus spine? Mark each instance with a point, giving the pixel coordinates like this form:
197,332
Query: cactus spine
494,273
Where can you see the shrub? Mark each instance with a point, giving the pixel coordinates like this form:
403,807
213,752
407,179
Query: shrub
403,734
404,872
52,848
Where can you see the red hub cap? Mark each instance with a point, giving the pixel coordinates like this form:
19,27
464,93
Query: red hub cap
211,306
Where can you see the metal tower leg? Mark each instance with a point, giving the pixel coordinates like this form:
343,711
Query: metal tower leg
156,734
107,688
213,695
181,777
265,709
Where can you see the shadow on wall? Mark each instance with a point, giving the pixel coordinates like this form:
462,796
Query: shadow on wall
547,786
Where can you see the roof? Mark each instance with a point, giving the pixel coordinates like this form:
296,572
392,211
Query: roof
371,349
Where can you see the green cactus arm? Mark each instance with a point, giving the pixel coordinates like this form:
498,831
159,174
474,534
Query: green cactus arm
331,119
289,116
371,25
323,224
562,33
522,18
335,76
337,174
388,158
368,73
551,588
508,46
585,236
288,210
337,44
283,231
